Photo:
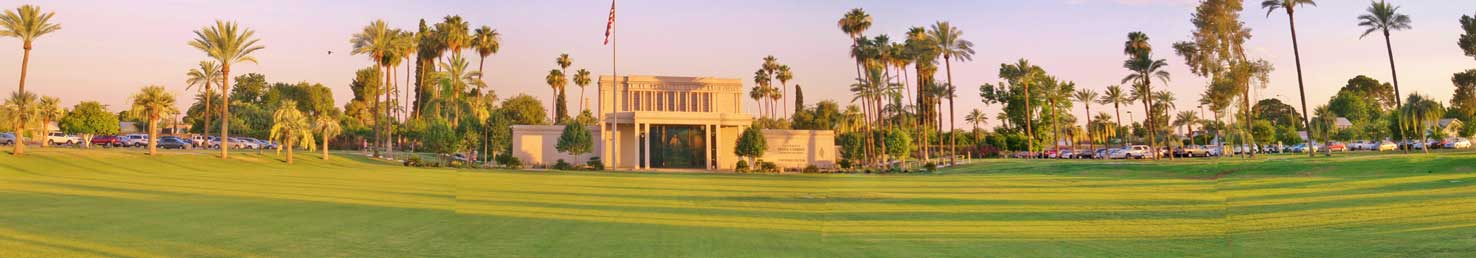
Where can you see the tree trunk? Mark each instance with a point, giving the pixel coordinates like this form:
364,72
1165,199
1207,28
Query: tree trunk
1297,54
325,147
288,144
1118,109
225,109
1029,132
389,129
1389,46
153,135
209,97
1249,131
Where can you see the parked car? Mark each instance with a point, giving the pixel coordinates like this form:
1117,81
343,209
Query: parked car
1337,146
1102,153
135,140
1364,145
172,142
1304,147
55,138
107,141
244,143
1133,152
1386,146
1458,143
1192,151
7,138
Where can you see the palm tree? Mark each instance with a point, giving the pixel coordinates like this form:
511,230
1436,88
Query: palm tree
327,127
949,40
855,23
977,118
455,80
1185,120
376,40
556,81
27,23
784,75
22,109
49,111
1383,17
487,42
1291,9
455,33
291,128
1145,69
152,104
228,44
581,78
1115,97
1086,97
1025,74
207,73
760,92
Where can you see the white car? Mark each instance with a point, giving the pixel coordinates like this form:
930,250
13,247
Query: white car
1132,152
240,143
1387,146
55,138
1458,143
135,140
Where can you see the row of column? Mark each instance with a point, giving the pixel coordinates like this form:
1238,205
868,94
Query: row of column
710,134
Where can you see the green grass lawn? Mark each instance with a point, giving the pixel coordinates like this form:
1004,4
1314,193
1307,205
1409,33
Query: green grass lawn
66,202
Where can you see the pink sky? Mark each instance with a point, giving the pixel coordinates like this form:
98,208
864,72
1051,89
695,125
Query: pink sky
109,49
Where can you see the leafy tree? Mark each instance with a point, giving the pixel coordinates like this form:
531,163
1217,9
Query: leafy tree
1277,112
751,144
1370,88
1467,41
899,145
524,110
291,128
152,104
575,140
228,44
440,137
89,119
1463,102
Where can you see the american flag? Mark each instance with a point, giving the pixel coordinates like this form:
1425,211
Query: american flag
610,25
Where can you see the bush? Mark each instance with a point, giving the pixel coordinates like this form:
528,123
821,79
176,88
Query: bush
507,160
769,167
812,169
930,167
742,167
595,164
456,163
562,165
414,161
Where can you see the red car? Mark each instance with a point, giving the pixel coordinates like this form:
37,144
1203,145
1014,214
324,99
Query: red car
1338,147
107,141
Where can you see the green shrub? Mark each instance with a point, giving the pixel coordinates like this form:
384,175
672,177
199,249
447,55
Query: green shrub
742,167
507,160
930,167
562,165
812,169
768,167
595,164
414,161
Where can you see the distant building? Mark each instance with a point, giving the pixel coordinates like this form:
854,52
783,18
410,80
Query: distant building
1450,127
663,122
1342,123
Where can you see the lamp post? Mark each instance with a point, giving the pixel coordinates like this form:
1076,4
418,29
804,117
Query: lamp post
1130,118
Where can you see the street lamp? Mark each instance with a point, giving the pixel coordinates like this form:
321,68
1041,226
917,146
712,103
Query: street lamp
1130,118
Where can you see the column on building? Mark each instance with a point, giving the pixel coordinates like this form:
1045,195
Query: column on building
707,145
646,128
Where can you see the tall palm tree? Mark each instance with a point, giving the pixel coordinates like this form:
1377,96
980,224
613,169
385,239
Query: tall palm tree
455,33
582,79
783,74
953,46
377,41
761,80
27,23
1384,17
1115,97
1025,74
49,111
1186,120
227,43
487,42
206,74
1291,8
556,81
855,23
1086,97
326,126
291,128
1145,69
152,104
22,109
